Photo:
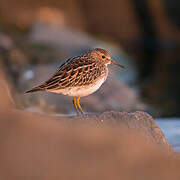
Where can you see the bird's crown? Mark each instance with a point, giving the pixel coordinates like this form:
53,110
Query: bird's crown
100,54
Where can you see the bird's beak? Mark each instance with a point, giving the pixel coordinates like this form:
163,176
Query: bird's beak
114,62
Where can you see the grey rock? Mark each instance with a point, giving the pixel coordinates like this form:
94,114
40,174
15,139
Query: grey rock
138,121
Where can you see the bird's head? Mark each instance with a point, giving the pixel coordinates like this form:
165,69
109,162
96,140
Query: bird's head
103,56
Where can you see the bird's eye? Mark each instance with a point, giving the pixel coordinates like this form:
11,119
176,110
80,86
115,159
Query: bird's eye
103,57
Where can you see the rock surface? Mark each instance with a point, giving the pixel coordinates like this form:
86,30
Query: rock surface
94,146
38,146
138,121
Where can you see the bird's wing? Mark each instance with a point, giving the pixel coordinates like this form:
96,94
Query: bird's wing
74,72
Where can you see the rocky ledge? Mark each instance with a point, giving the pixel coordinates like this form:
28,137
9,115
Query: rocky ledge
139,121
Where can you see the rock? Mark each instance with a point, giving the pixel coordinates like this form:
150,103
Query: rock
139,121
84,147
94,146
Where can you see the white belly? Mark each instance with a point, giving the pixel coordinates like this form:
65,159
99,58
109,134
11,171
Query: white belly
81,91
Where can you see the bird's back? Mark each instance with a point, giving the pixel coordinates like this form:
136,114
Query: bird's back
78,71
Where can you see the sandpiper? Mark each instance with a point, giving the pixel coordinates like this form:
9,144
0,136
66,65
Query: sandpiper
79,76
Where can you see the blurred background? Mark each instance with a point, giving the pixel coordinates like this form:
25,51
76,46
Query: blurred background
143,35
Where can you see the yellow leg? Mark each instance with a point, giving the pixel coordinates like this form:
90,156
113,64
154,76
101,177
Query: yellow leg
75,104
79,106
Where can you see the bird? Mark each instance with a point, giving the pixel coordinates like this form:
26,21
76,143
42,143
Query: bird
79,76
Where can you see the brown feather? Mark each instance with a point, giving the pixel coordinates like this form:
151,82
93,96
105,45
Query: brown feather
76,71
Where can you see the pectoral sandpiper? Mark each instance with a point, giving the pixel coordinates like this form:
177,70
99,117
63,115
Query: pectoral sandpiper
79,76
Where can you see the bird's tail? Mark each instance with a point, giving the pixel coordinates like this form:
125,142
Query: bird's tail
35,89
